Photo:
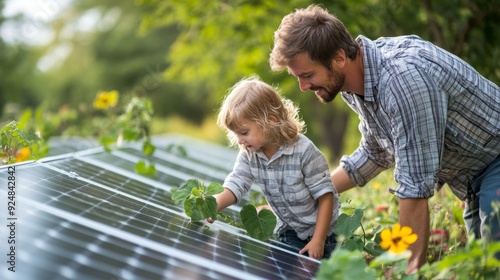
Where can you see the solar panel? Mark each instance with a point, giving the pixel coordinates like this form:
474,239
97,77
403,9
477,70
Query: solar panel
88,215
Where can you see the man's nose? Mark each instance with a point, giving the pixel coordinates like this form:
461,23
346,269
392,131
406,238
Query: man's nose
304,85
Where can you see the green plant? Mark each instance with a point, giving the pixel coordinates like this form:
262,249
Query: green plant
474,261
456,258
345,264
351,264
197,200
199,203
127,121
347,230
16,144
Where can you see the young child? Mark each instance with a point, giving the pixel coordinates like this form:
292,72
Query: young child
292,173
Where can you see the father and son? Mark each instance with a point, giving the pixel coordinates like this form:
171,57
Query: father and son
423,111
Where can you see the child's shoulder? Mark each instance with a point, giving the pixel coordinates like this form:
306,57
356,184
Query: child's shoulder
304,143
302,139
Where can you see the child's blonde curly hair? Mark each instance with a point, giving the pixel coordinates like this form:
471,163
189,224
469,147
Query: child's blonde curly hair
253,100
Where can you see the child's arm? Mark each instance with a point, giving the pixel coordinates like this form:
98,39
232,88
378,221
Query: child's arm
315,248
224,199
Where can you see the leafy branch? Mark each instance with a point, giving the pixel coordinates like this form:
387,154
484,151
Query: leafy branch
128,122
199,203
347,225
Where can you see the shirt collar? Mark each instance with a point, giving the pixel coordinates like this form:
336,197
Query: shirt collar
371,63
285,149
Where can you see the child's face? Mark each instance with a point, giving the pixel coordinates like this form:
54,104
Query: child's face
250,135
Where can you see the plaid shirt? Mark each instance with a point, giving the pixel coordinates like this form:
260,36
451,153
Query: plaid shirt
426,112
292,181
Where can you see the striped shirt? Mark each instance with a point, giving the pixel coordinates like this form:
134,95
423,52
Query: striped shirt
425,112
292,181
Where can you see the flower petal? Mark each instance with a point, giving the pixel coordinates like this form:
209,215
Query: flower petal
410,239
399,248
406,230
396,230
386,237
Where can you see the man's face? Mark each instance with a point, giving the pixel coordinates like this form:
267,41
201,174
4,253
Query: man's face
313,76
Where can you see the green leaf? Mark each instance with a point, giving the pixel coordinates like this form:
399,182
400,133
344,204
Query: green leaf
344,264
214,188
373,249
201,208
148,148
390,258
107,141
259,226
131,134
347,225
353,244
179,195
145,168
196,192
184,191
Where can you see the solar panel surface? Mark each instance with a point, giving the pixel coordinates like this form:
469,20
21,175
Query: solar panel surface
89,215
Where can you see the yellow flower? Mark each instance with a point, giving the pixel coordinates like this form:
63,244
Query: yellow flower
106,99
23,154
397,240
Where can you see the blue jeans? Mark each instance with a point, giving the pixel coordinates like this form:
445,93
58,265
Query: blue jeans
290,238
479,215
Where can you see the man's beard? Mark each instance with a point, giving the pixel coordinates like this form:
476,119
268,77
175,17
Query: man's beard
336,82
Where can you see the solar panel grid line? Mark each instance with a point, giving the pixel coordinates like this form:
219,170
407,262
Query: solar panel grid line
88,259
85,152
183,176
222,226
233,208
143,242
218,176
89,181
117,197
165,156
162,165
168,161
129,174
145,180
214,154
197,145
220,162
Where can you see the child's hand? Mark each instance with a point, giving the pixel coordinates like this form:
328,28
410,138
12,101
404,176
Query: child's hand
209,220
315,249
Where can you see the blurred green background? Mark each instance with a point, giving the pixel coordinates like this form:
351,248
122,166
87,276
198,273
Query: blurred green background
184,55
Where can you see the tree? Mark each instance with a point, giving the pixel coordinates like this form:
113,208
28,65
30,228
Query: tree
104,51
221,41
18,72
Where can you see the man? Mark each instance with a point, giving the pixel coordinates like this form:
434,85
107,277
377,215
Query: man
422,110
